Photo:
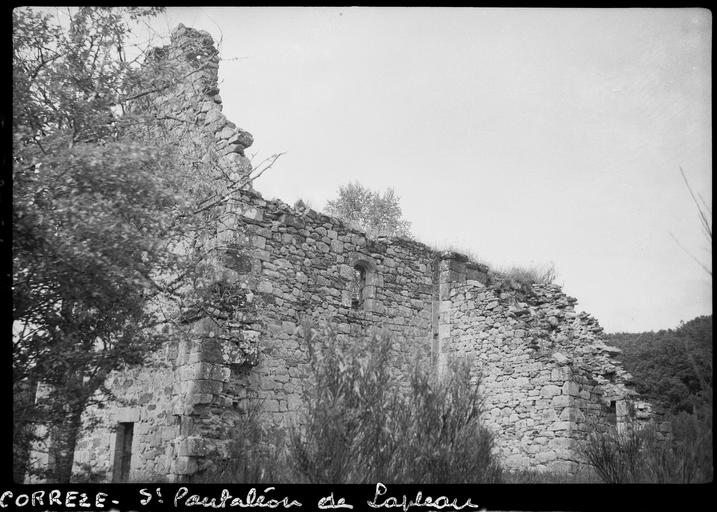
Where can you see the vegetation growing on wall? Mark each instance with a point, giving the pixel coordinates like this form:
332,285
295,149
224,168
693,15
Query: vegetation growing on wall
530,274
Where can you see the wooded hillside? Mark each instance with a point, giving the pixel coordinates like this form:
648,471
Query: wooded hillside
672,367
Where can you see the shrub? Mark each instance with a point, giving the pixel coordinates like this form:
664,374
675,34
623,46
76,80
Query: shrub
641,455
616,457
363,423
689,454
345,435
442,439
253,453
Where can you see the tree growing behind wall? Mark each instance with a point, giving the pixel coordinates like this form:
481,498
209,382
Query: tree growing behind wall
375,213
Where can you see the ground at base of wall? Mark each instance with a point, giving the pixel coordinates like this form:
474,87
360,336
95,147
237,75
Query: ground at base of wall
582,476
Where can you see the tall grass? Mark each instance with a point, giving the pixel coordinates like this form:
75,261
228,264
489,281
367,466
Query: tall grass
545,274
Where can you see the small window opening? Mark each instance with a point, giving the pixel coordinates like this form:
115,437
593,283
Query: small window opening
123,452
358,285
612,413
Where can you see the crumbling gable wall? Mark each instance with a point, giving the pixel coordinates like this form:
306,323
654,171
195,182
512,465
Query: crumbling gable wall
166,400
187,107
546,374
547,378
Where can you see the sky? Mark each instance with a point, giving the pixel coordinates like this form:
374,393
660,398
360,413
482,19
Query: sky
523,137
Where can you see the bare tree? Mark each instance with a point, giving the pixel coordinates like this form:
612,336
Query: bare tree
705,215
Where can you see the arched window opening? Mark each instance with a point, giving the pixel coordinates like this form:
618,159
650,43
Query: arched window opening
360,294
358,286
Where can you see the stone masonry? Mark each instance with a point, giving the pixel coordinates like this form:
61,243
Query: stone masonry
546,373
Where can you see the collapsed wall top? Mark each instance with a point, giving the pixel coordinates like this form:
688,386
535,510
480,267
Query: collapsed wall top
190,109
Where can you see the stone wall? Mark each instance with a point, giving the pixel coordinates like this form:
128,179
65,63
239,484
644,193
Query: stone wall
147,396
546,374
187,109
300,264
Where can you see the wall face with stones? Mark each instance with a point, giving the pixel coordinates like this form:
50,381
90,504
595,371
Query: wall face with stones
185,112
546,374
147,395
301,265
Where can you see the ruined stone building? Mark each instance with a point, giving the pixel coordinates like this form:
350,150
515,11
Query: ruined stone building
546,372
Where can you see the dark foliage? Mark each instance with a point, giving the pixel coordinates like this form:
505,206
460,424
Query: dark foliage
673,367
94,211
